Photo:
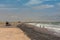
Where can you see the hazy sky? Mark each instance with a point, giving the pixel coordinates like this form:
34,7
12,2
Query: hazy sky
42,10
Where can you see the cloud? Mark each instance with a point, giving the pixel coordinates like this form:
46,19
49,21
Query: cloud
49,0
43,6
5,5
58,4
32,2
2,5
9,10
45,0
8,6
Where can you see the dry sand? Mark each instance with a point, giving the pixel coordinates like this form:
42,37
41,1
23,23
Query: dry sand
12,34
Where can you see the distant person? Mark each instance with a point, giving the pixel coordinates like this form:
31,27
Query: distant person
40,26
43,27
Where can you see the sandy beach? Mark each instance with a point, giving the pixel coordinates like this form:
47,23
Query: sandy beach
12,34
23,32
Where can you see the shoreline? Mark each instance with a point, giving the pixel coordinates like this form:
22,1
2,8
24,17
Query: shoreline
48,29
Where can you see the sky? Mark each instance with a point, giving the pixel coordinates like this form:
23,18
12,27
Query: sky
29,10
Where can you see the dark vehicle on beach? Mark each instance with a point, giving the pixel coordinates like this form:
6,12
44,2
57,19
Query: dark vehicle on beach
8,24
